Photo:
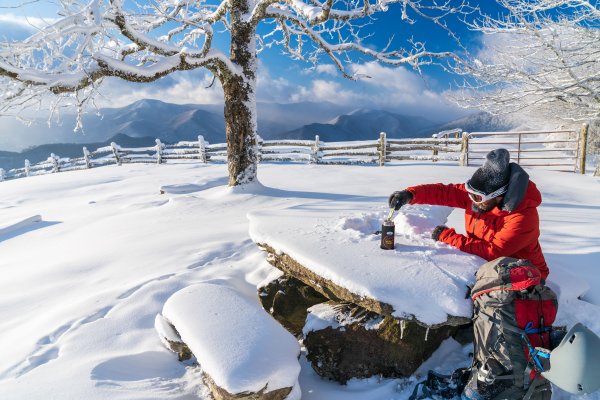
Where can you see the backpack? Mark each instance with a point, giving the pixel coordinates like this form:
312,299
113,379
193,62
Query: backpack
512,322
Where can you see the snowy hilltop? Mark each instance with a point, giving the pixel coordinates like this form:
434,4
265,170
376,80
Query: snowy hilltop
91,257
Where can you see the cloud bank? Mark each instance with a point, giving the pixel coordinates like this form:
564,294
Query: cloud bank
396,89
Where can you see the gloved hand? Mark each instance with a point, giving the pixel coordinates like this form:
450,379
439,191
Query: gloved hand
398,199
435,235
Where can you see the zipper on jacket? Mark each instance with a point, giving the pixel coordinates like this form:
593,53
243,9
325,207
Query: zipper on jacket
475,224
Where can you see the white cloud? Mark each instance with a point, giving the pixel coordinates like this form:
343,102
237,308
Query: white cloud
327,69
392,79
394,88
322,90
192,87
270,88
183,88
391,88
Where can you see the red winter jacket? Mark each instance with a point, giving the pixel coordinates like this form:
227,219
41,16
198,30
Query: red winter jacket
492,234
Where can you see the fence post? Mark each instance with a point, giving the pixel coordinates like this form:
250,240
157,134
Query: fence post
202,149
435,151
86,158
315,155
54,160
464,150
519,150
27,168
259,142
2,175
158,151
597,173
583,147
382,148
115,149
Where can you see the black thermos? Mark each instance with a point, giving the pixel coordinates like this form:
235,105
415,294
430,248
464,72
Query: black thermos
388,230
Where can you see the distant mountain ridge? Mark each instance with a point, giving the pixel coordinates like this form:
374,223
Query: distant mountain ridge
165,121
362,124
478,122
140,123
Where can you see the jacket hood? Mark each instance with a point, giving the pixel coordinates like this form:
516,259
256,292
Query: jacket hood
521,192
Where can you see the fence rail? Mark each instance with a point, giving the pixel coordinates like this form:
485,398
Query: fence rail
563,150
454,145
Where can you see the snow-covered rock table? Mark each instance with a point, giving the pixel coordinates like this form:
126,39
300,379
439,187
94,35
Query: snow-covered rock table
420,287
243,352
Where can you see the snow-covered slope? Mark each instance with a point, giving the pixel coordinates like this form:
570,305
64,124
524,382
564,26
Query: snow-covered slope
80,288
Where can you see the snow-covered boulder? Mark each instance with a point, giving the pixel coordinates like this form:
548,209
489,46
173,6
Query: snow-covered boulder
244,353
337,254
416,292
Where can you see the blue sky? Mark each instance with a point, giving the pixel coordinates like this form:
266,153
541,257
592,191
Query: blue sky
284,80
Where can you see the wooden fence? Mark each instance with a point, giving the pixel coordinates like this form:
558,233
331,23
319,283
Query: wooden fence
309,151
455,145
557,150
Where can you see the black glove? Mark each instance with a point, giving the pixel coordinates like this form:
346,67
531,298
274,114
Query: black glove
435,235
398,199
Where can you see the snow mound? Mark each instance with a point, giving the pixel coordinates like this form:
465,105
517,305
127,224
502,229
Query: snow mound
362,225
240,346
410,221
420,220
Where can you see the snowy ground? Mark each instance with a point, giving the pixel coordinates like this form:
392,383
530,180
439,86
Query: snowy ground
81,284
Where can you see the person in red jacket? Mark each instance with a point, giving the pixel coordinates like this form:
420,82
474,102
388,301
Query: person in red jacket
500,203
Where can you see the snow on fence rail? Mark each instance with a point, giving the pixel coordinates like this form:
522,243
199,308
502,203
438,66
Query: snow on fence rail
318,152
452,145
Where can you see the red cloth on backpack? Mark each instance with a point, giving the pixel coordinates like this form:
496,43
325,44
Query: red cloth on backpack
492,234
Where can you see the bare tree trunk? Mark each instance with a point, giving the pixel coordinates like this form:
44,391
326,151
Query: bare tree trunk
240,100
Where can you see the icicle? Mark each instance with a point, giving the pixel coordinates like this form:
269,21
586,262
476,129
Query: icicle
427,334
402,326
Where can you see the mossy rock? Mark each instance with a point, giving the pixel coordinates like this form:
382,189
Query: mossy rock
287,299
394,348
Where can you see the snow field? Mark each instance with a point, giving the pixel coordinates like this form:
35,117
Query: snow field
79,293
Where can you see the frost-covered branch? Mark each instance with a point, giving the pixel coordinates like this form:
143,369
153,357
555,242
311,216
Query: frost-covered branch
415,57
64,63
308,30
101,39
536,58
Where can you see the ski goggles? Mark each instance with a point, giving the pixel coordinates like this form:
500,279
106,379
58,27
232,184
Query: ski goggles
480,197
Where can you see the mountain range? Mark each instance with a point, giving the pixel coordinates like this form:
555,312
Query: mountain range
140,123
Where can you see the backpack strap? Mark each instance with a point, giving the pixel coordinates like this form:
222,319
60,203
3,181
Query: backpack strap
533,388
529,329
534,354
